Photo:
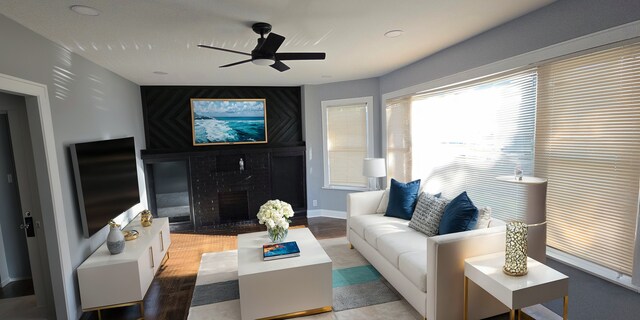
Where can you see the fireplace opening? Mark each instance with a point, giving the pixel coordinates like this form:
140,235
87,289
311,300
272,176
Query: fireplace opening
233,206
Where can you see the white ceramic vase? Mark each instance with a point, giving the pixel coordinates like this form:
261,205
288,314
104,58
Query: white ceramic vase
115,239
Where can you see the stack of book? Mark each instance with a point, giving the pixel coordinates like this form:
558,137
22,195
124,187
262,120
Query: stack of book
280,250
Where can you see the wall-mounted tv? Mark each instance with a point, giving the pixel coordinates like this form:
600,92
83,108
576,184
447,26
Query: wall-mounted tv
106,178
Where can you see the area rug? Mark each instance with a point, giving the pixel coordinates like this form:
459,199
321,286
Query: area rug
359,291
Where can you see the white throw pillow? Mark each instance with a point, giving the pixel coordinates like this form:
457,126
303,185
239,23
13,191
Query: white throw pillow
382,206
426,217
484,217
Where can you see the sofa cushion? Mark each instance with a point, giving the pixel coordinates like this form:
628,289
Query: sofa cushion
402,199
392,245
413,265
459,215
360,222
426,217
394,225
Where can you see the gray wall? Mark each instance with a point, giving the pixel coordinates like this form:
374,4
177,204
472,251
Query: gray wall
87,103
560,21
313,95
15,242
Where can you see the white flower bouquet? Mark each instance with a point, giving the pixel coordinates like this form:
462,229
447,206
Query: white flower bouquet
275,215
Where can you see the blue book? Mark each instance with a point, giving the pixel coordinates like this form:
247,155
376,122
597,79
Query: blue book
280,250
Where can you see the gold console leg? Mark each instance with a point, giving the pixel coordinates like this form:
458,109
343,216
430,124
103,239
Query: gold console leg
141,309
465,312
350,245
565,312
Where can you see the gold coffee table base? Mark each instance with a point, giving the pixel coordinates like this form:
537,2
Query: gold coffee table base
300,313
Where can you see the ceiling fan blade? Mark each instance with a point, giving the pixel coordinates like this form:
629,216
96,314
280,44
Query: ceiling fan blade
300,56
278,65
222,49
272,43
235,63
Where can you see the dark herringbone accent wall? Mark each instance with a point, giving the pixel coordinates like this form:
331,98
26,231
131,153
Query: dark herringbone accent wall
167,114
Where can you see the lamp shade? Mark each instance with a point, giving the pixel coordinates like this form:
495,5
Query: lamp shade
374,167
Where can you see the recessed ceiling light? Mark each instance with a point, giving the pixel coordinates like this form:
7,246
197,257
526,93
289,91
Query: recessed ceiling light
393,33
84,10
326,76
162,73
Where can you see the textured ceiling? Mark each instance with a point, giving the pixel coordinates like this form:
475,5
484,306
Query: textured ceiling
136,38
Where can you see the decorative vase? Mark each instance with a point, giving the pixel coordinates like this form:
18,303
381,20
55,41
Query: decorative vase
515,257
277,234
115,239
146,218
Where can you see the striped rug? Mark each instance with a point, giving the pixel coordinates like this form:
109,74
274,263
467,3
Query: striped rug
359,291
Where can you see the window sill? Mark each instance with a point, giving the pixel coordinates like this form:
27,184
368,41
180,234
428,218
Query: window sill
345,188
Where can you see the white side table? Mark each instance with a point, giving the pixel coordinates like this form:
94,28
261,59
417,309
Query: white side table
540,284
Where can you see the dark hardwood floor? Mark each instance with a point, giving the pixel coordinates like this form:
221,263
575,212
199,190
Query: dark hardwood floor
170,293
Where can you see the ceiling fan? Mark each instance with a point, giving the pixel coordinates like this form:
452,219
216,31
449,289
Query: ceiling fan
264,54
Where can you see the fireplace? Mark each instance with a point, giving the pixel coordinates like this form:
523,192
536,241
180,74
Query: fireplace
220,191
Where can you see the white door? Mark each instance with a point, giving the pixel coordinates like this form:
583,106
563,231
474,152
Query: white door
27,188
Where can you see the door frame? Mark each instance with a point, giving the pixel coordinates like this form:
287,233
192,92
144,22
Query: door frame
50,190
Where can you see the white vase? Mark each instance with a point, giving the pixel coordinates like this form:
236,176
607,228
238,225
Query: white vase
115,239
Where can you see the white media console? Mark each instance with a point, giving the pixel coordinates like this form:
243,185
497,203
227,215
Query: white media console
109,281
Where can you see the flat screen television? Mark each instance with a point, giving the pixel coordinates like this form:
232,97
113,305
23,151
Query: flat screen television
106,178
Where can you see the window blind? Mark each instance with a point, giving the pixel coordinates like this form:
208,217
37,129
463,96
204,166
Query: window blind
463,137
398,115
588,146
346,129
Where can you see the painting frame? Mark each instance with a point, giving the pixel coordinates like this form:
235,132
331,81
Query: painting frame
228,121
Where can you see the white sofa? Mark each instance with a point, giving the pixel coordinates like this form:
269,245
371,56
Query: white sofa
427,271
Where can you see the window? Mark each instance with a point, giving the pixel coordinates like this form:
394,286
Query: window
588,146
347,140
461,138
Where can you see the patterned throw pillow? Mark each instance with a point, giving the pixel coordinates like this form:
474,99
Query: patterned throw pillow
427,215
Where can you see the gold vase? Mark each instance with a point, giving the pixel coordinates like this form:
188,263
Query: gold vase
146,218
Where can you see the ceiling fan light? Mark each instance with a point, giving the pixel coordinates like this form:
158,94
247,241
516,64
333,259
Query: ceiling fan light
263,61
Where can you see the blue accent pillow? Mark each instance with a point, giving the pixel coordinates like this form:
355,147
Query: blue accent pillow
459,215
402,199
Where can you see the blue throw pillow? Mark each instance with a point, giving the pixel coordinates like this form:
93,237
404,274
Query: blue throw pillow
402,199
459,215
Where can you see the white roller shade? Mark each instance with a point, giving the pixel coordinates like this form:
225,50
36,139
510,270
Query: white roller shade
588,146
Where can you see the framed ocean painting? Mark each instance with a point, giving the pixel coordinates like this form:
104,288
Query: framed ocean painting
228,121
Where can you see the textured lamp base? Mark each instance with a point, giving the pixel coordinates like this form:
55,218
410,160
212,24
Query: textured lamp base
515,257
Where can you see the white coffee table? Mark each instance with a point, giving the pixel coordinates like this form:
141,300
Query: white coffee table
540,284
286,287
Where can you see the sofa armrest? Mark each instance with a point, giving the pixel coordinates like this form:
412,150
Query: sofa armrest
445,273
363,202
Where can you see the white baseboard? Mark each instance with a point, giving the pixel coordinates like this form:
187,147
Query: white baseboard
326,213
592,268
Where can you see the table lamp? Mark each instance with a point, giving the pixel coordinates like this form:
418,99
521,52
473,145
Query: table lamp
529,237
374,168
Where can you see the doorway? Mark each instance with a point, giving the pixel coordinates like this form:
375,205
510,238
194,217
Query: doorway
57,257
23,291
